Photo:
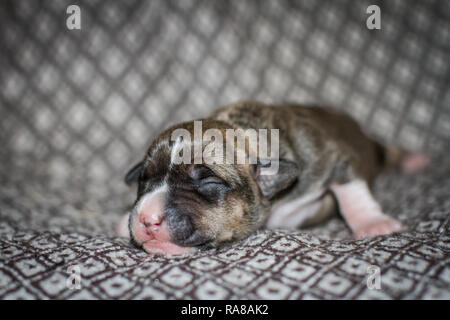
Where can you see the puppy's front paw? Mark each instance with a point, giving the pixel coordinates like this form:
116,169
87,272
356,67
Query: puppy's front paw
380,226
122,227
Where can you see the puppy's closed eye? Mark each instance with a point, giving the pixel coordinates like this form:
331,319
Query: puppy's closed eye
200,172
210,186
213,181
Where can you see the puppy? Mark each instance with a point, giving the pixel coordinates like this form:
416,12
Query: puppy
324,163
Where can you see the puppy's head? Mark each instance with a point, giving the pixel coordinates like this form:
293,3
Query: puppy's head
192,204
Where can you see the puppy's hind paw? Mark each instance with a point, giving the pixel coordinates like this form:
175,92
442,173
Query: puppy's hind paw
380,226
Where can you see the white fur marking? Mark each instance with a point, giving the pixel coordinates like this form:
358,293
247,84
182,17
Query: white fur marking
175,150
148,196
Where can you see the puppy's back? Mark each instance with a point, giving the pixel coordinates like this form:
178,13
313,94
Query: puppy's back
328,144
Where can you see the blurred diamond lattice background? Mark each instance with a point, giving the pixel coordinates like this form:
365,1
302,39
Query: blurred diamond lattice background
80,106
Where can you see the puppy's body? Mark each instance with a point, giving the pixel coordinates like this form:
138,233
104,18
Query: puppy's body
325,161
327,145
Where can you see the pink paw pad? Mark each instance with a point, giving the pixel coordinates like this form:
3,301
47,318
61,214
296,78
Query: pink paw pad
415,162
378,227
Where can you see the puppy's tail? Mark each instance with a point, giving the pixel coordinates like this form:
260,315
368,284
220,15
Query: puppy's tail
409,162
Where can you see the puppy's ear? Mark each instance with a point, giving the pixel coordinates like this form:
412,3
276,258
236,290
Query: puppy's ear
274,176
133,173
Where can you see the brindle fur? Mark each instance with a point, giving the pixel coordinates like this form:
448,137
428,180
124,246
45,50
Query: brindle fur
327,146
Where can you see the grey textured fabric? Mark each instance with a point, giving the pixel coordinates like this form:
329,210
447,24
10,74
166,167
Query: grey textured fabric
78,108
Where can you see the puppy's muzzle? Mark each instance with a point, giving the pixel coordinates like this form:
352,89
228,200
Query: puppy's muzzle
150,229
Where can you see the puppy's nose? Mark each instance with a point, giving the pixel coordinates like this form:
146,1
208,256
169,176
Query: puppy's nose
150,218
151,210
148,222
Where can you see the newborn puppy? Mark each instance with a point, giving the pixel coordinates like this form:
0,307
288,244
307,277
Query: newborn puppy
324,163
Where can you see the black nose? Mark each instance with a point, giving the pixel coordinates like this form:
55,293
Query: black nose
182,230
181,227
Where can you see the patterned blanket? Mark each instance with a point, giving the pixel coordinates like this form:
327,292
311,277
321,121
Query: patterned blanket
54,245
